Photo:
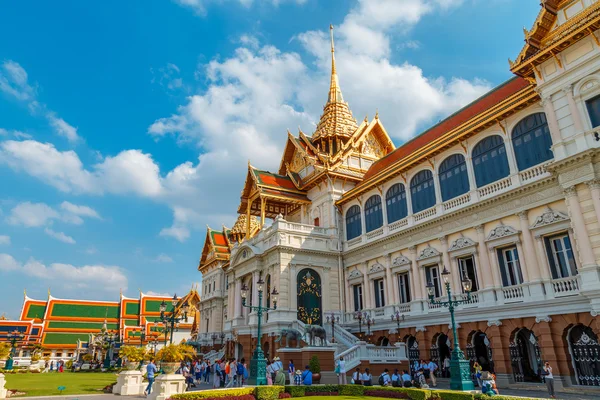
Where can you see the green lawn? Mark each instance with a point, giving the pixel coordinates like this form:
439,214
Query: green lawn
340,397
47,384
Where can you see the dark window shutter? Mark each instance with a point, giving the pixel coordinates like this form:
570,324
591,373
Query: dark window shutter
553,266
407,286
502,266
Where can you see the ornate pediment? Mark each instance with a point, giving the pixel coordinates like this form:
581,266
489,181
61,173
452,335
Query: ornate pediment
354,274
549,217
400,260
502,231
376,268
461,243
428,252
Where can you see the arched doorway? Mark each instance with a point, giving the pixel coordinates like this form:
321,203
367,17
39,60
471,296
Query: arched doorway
309,297
525,356
585,354
478,349
440,350
383,341
414,354
239,351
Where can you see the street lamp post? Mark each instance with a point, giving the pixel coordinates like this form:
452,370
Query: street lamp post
108,341
222,336
359,317
213,337
258,364
396,316
14,337
460,376
142,338
332,319
171,320
369,321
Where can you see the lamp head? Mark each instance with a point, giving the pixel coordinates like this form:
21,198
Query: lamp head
260,283
467,284
274,295
446,275
244,292
185,307
163,307
430,290
174,301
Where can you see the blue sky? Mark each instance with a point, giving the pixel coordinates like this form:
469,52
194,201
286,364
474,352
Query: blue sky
125,126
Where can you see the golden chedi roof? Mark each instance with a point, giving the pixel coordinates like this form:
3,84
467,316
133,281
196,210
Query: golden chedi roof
240,225
337,119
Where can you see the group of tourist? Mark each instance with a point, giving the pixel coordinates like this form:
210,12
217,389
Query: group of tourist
51,366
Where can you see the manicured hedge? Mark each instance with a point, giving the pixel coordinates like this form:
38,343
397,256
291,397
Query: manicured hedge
453,395
322,389
352,390
296,391
268,392
390,394
480,396
207,394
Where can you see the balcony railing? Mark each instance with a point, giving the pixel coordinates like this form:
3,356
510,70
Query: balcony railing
495,187
513,294
566,286
457,202
425,214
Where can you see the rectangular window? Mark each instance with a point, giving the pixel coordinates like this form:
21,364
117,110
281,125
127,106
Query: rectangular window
206,324
379,293
432,275
510,267
316,222
226,283
593,107
467,269
560,256
214,285
358,297
404,287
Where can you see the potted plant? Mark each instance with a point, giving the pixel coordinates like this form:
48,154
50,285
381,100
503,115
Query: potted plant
133,355
87,358
315,367
173,354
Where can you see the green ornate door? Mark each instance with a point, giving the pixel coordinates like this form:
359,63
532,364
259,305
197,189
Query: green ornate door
309,297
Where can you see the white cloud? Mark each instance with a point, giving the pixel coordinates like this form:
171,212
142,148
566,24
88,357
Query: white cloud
60,236
14,83
163,258
4,240
8,263
94,278
157,294
83,211
63,128
31,214
180,233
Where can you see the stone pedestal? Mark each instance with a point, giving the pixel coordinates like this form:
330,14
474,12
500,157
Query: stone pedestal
167,385
3,391
129,383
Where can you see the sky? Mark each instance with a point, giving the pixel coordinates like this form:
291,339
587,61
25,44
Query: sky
126,126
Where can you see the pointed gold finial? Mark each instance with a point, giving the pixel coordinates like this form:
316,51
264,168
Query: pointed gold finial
335,93
48,291
25,293
376,113
366,118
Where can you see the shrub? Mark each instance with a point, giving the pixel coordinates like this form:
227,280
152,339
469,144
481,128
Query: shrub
296,391
322,389
213,394
315,365
481,396
391,394
285,395
351,390
133,353
413,393
87,357
176,353
452,395
268,392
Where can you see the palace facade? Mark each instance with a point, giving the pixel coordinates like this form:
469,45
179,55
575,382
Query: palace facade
505,192
65,328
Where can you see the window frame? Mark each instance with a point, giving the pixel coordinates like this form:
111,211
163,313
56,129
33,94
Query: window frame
396,204
482,180
418,200
356,221
508,279
403,280
527,155
373,213
447,184
462,267
379,289
436,280
558,272
357,294
586,103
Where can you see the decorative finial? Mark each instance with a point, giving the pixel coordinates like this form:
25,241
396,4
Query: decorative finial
48,291
366,118
377,114
331,34
25,293
526,33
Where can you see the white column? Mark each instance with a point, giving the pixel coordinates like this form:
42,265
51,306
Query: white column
542,258
452,267
494,267
384,208
524,271
392,295
576,117
409,208
436,185
510,154
349,297
471,175
238,298
594,186
293,286
416,274
484,267
586,254
557,145
254,288
531,264
366,288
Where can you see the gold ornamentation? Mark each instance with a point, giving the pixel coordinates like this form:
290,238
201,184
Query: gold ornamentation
371,146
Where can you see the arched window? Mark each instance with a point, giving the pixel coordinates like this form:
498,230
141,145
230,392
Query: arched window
454,180
489,160
395,201
353,226
422,191
373,213
532,141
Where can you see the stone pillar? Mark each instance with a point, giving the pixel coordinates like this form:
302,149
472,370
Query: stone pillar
494,267
255,288
531,262
129,383
499,342
166,386
542,257
521,253
471,175
293,286
3,391
576,117
594,186
557,145
510,154
452,267
392,294
584,245
237,306
485,268
367,302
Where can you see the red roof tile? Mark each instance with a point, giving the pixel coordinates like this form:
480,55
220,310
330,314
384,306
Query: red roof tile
279,181
488,100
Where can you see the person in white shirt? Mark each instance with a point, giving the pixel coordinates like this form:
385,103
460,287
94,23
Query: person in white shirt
549,379
387,381
341,364
356,377
432,367
367,378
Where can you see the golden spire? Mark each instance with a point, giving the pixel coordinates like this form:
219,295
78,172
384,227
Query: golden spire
335,93
337,119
